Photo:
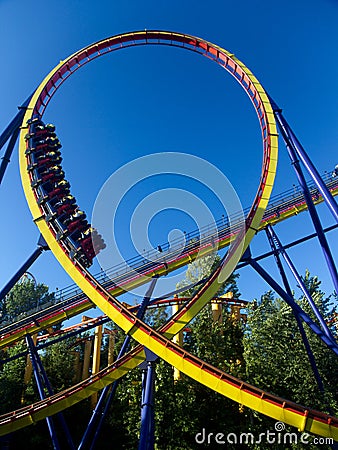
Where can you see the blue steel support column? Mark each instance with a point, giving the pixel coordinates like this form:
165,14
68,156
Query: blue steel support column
299,322
51,392
312,210
49,420
15,123
108,392
289,135
11,132
144,383
26,265
152,421
147,404
323,189
279,263
289,245
297,310
300,282
8,153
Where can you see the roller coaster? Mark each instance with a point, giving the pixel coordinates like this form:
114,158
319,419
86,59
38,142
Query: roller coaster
74,242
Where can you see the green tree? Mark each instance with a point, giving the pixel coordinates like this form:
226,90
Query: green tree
220,344
23,298
182,408
57,360
276,359
202,268
11,379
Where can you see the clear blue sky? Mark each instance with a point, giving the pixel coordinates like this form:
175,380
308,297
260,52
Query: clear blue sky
146,100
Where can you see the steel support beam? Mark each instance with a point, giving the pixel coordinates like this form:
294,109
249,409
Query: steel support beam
299,280
289,136
299,322
293,151
108,393
297,310
147,404
39,383
26,265
15,123
5,160
44,379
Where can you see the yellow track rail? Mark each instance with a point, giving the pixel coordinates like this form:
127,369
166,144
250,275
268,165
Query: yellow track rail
52,318
159,343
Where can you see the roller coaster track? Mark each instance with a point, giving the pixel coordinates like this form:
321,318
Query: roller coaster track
160,341
44,340
70,301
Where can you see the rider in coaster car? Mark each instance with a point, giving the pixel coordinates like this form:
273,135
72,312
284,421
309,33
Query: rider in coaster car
50,127
65,209
44,164
52,140
58,192
52,176
56,169
77,225
62,206
49,157
43,158
39,134
67,200
44,153
78,233
57,184
88,250
43,127
48,141
43,147
64,184
92,242
35,120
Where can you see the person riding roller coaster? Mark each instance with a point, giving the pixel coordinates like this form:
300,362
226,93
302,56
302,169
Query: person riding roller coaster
45,161
62,212
52,185
36,125
66,206
98,241
48,143
42,146
77,222
92,243
57,193
52,174
41,131
48,159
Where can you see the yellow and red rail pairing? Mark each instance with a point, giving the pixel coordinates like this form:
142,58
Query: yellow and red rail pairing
79,303
160,341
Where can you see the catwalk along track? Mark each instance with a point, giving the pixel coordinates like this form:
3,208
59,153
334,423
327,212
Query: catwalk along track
75,255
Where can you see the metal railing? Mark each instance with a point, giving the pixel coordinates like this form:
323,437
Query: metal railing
178,247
